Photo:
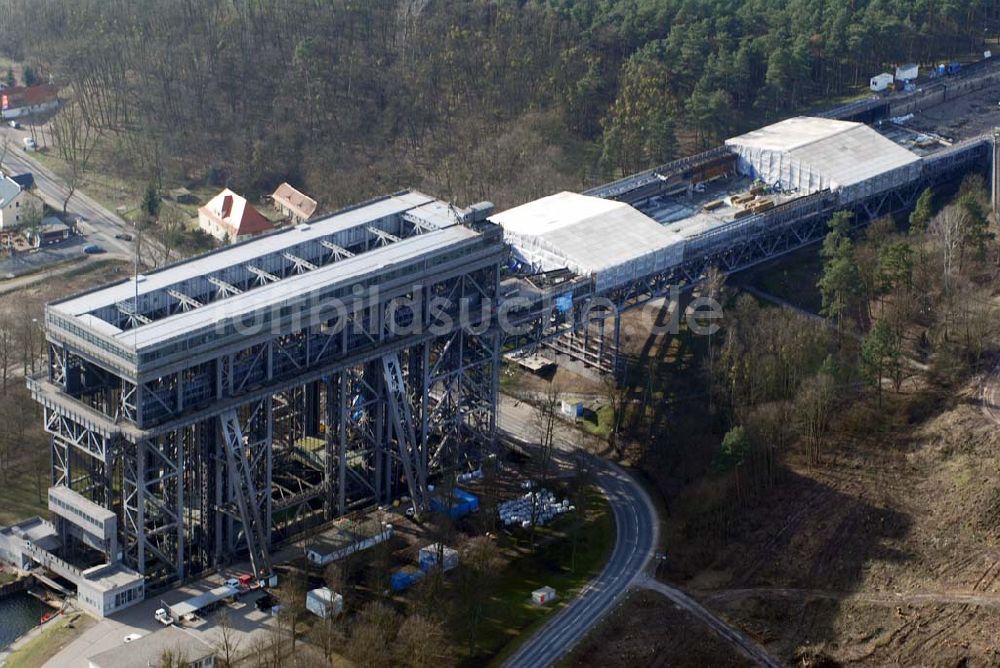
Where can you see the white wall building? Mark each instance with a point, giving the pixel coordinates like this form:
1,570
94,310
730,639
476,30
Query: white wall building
229,217
12,201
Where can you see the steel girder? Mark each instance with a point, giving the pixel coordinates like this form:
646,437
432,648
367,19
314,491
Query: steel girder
239,458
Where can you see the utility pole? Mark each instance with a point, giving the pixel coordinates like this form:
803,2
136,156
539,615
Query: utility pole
995,173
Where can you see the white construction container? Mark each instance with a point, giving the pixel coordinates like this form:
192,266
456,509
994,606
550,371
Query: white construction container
543,595
324,602
880,82
907,72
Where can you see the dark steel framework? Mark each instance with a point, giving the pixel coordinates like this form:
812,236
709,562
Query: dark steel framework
267,436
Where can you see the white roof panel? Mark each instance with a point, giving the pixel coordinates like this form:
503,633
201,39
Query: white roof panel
588,234
242,253
291,288
841,153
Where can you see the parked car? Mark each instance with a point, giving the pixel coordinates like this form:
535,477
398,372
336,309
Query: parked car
233,582
124,236
29,144
163,617
14,124
92,249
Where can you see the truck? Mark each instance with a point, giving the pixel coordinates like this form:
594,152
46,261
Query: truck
162,616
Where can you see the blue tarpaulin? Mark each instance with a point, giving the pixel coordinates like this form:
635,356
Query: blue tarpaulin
564,302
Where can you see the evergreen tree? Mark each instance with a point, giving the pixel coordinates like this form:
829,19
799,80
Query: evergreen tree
151,203
922,212
9,77
840,283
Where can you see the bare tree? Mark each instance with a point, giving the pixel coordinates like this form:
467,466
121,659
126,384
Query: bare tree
293,602
7,343
75,139
814,407
422,643
946,229
480,565
229,639
616,394
4,148
372,635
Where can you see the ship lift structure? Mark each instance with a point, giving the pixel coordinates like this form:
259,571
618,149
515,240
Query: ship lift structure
227,403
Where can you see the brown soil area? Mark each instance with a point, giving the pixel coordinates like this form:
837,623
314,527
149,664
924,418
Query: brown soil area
890,547
647,630
963,117
886,553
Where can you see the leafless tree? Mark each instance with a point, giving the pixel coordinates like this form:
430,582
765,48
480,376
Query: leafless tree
422,643
229,639
480,564
75,139
293,603
946,229
7,344
373,635
814,407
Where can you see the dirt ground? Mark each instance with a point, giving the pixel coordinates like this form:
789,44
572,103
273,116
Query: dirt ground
886,554
647,630
964,117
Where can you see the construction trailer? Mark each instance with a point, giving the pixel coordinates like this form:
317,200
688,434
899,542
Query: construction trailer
226,403
880,82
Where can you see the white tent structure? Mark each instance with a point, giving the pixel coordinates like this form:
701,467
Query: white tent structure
812,154
608,240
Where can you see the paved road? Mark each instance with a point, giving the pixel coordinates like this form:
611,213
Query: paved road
636,537
100,226
636,528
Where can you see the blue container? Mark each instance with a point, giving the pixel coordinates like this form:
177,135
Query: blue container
469,498
402,580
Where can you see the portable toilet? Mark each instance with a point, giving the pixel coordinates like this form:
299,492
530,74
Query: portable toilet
543,595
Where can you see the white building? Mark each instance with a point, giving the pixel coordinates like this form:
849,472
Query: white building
324,602
907,72
149,650
880,82
12,200
229,217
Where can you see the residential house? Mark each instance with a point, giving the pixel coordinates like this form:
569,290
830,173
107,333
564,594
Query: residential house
229,217
294,204
18,101
12,201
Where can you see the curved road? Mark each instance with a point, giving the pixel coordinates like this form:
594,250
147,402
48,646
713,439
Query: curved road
637,532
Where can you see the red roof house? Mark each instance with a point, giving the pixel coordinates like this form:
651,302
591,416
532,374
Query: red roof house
228,216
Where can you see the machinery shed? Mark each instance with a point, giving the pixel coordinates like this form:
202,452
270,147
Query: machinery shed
811,154
610,241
